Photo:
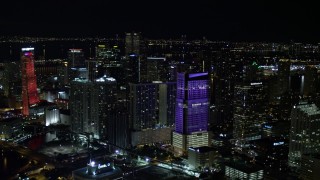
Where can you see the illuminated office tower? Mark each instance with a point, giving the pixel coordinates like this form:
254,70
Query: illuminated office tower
310,80
76,58
12,83
304,132
156,69
75,66
107,53
249,111
229,70
132,69
132,43
92,68
283,76
310,165
101,51
192,111
29,80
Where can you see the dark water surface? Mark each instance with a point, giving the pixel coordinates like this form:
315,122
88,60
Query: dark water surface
10,51
10,163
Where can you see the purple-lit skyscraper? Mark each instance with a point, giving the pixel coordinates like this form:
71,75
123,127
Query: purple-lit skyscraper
192,111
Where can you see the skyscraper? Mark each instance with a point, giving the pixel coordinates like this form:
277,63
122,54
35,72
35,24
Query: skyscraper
76,58
310,80
283,76
304,132
12,83
192,111
152,112
132,69
29,80
249,111
92,105
132,43
152,104
156,69
229,70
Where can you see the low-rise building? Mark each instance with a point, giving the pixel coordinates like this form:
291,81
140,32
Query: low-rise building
241,170
201,156
98,171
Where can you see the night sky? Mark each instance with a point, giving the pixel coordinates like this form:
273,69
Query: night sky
237,20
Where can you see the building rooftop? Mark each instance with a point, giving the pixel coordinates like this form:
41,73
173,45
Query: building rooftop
244,167
106,172
309,109
82,80
313,155
202,149
105,79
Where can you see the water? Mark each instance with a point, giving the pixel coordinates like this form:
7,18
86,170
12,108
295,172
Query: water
10,163
53,49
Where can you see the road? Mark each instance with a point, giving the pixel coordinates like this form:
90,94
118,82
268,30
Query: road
22,150
37,162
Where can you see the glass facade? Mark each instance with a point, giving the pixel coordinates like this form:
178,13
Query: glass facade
29,80
192,108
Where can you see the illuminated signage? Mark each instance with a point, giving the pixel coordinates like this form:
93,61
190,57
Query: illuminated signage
28,54
278,143
268,126
75,50
197,104
27,49
197,75
259,83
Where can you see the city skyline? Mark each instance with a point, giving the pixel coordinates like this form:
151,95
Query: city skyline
228,20
159,90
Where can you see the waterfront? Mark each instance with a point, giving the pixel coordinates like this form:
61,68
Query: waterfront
11,162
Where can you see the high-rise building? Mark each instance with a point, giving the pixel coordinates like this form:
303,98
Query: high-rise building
76,58
229,71
304,132
192,111
107,53
249,111
310,80
29,80
75,66
156,69
152,105
310,165
45,69
132,43
152,112
118,128
11,83
92,68
283,76
101,52
132,69
81,73
91,105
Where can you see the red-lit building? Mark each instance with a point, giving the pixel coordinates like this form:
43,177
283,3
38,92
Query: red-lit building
29,81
